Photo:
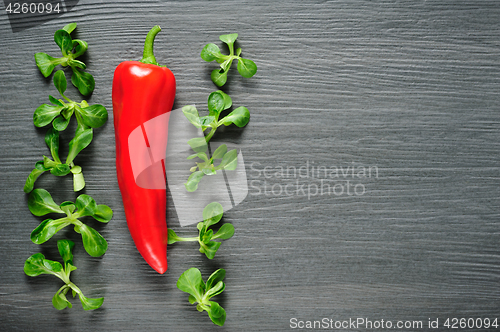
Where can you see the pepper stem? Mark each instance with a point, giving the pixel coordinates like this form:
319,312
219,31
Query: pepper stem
148,55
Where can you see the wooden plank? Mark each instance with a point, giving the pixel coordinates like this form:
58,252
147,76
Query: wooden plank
405,89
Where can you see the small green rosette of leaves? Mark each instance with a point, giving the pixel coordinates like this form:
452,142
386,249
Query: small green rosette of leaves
246,68
218,102
228,161
36,265
59,113
70,49
212,214
55,166
200,292
40,203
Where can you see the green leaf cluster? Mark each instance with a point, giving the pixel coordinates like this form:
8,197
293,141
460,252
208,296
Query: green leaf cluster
218,102
201,292
246,68
70,49
190,281
40,203
59,113
212,214
37,264
228,161
55,166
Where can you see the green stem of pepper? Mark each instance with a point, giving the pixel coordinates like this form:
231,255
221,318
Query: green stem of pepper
148,55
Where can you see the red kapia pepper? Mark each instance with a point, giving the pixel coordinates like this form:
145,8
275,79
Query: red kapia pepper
143,95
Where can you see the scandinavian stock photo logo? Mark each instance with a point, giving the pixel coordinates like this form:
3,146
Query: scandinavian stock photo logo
310,179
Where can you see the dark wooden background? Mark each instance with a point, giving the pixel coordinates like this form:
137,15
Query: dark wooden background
409,87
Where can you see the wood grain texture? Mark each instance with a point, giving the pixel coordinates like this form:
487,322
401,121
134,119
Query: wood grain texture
409,88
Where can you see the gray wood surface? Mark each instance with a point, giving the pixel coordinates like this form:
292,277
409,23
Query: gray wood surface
408,88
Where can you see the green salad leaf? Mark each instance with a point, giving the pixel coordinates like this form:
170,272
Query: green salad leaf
37,264
40,203
70,50
218,101
212,214
200,292
247,68
60,114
